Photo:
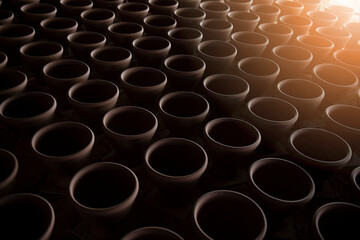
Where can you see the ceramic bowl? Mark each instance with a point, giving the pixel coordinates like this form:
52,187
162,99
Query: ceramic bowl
184,40
34,13
321,19
73,8
164,7
6,16
132,11
239,5
215,9
344,13
299,24
288,7
97,19
348,58
152,232
267,13
216,29
159,25
278,34
340,37
58,28
9,170
243,21
123,33
189,17
249,44
12,83
13,36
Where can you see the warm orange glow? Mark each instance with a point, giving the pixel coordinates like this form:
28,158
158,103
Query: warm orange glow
355,4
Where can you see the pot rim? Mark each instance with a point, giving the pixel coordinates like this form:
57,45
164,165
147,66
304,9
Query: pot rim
211,78
14,171
331,108
354,84
320,97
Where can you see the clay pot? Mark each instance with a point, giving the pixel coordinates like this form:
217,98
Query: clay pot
216,29
305,95
9,170
355,182
159,25
97,19
310,5
273,117
184,71
293,60
340,37
280,185
59,80
58,28
249,44
348,58
25,215
143,85
37,54
110,61
175,179
164,7
82,43
189,3
278,34
299,24
28,111
34,13
226,92
184,40
152,233
3,60
6,17
241,217
93,98
189,17
243,21
266,2
288,7
259,79
12,83
267,13
344,120
217,55
337,81
63,147
336,220
344,13
320,149
16,4
73,8
123,33
354,29
108,4
13,36
230,142
129,128
103,194
215,9
183,112
239,5
321,19
132,12
150,50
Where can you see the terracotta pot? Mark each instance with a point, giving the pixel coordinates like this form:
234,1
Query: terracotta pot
215,9
73,8
226,92
93,98
216,29
259,79
82,43
293,60
6,17
108,4
320,149
355,182
354,29
280,185
103,194
241,217
348,58
25,215
164,7
152,233
184,40
63,147
309,5
267,2
249,44
150,50
132,12
34,13
9,170
189,17
28,111
97,19
321,19
13,36
337,82
267,13
336,220
288,7
217,55
176,180
123,33
110,61
344,120
37,54
184,71
305,95
59,80
278,34
3,60
159,25
183,112
340,37
299,24
129,128
273,117
243,21
344,13
230,142
239,5
12,83
189,3
58,28
143,85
